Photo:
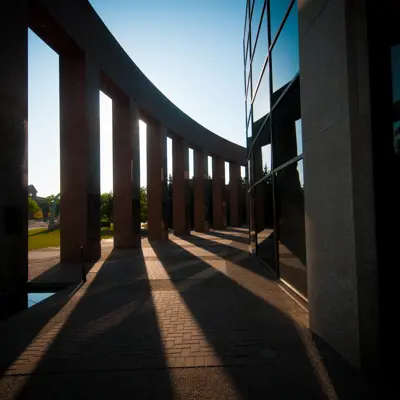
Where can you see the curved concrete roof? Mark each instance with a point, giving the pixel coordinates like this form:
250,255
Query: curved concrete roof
62,22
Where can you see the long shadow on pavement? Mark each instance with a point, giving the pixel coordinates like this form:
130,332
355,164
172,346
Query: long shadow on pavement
110,326
262,349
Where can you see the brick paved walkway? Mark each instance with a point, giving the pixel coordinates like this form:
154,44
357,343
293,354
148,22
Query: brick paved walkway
197,317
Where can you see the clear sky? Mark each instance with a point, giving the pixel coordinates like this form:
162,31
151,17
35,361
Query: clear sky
190,49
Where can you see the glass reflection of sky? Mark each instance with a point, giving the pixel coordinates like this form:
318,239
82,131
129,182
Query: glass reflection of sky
34,298
277,10
299,137
261,105
285,53
260,52
301,173
255,20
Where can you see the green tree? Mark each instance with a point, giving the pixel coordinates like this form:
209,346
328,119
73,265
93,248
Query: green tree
32,206
143,204
106,207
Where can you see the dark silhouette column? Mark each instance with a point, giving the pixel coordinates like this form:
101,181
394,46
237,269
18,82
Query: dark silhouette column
234,176
180,181
164,177
218,183
200,176
126,173
155,179
80,158
13,152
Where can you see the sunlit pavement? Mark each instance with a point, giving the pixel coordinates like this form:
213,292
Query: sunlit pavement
196,317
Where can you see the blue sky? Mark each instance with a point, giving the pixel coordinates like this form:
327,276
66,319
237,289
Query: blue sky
191,50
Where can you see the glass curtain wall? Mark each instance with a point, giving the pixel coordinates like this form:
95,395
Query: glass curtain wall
274,138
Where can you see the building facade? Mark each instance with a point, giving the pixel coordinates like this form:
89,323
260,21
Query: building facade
321,82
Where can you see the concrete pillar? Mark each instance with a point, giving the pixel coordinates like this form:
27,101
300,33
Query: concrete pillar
180,182
338,176
156,139
234,176
218,183
13,161
200,176
164,174
80,158
126,174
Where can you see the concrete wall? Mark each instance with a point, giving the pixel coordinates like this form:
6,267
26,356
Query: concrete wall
339,197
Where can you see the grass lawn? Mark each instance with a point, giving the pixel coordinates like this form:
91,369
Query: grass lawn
41,238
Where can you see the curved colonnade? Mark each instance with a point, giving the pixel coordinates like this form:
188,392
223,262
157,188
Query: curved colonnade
91,60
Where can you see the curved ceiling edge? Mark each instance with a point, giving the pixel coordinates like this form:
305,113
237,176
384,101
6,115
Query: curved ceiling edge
79,23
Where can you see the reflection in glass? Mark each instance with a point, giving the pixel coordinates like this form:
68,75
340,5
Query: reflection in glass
265,220
266,158
260,52
249,128
248,107
290,219
396,97
255,21
277,9
252,222
247,79
261,103
285,53
299,137
250,172
286,126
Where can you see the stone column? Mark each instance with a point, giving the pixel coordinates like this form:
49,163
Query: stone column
164,177
338,174
234,176
218,183
180,182
200,176
13,161
126,173
155,178
80,158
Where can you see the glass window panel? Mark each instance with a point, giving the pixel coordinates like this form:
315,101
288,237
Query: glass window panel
260,53
265,219
396,97
277,9
285,54
247,71
266,158
249,127
255,21
286,126
261,103
291,233
299,137
248,108
250,172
